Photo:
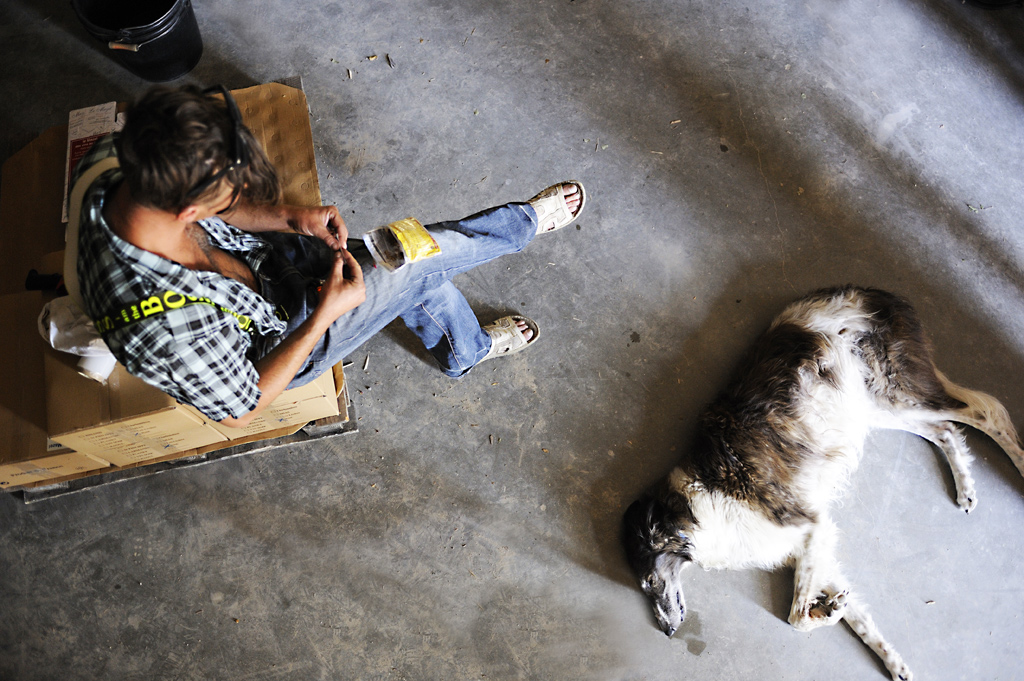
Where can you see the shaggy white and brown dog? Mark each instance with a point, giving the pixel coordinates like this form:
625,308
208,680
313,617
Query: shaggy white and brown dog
777,447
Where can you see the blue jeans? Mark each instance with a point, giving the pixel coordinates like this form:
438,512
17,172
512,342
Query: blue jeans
421,293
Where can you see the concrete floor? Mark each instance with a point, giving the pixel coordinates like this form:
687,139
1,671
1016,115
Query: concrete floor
737,155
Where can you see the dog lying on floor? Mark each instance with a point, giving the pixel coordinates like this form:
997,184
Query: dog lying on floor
780,443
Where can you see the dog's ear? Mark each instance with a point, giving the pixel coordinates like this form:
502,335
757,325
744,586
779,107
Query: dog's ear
652,527
638,528
673,530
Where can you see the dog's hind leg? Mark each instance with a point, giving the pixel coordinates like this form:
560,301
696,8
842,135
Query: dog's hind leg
947,437
819,589
858,619
988,415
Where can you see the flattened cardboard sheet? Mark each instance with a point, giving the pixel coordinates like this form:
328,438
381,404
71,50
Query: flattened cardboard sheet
278,116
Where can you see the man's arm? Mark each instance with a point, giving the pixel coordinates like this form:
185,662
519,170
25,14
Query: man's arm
342,292
323,222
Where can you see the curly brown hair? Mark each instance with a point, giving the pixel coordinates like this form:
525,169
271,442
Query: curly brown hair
176,138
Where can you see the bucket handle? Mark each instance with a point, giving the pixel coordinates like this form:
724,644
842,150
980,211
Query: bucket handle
123,42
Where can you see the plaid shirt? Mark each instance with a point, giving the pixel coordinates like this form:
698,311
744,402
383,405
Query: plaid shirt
197,353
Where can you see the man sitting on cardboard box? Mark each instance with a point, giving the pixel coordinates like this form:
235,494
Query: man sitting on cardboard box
227,316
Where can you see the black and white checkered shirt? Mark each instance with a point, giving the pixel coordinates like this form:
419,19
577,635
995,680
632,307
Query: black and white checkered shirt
196,353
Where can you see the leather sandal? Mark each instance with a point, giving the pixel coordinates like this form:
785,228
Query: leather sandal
506,338
552,211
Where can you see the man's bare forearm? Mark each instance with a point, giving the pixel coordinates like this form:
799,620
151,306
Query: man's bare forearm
279,366
322,222
259,218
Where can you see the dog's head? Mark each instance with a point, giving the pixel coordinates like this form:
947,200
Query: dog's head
658,548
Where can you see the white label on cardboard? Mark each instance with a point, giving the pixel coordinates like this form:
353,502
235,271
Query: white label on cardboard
85,127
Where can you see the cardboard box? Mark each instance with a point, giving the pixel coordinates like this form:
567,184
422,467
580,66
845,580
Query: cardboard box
296,407
123,422
127,422
24,453
49,468
30,207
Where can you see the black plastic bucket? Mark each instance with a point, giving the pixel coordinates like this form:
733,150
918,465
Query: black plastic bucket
155,39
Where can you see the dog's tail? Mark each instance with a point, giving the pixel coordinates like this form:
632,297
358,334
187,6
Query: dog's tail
987,414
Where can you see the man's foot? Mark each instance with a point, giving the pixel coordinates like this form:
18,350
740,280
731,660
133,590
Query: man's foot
524,329
558,205
510,335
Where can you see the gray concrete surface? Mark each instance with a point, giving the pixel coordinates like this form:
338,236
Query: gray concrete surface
737,155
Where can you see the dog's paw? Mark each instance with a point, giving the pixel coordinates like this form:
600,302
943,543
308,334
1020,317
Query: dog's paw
829,605
825,609
901,672
967,500
966,495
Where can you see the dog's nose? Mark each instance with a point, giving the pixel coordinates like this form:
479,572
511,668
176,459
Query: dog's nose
669,631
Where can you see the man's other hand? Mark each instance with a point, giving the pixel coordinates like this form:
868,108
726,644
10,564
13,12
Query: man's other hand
344,289
322,222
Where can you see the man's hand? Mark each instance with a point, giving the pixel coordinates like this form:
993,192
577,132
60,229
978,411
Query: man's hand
323,222
343,290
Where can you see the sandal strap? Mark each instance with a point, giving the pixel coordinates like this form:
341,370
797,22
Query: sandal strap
506,338
552,210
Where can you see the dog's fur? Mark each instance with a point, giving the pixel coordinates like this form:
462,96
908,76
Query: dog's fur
779,444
